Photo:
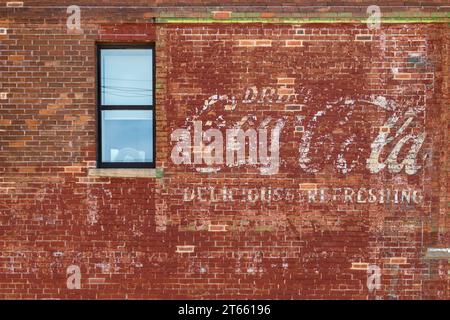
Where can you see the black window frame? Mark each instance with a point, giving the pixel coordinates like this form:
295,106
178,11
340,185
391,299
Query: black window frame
100,108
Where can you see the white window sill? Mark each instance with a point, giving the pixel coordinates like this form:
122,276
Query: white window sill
125,173
438,253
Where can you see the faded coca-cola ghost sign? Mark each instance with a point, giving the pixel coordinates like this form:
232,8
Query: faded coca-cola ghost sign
211,146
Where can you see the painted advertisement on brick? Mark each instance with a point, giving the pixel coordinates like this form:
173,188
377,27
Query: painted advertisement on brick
294,117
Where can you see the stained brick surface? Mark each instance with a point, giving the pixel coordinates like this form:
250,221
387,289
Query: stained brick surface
309,229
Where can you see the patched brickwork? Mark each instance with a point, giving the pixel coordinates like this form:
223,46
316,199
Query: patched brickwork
342,191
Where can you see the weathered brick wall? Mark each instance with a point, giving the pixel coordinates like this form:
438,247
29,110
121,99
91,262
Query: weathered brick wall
309,226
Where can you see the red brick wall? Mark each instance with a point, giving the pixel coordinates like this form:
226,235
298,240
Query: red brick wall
333,86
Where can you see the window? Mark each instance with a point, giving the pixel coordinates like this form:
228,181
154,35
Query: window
126,100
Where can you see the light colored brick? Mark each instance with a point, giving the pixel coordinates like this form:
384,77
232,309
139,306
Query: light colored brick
255,43
402,76
286,81
263,43
14,4
359,266
221,15
73,169
185,249
16,58
246,43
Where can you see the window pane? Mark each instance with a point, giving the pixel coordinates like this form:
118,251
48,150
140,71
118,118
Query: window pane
127,136
126,77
